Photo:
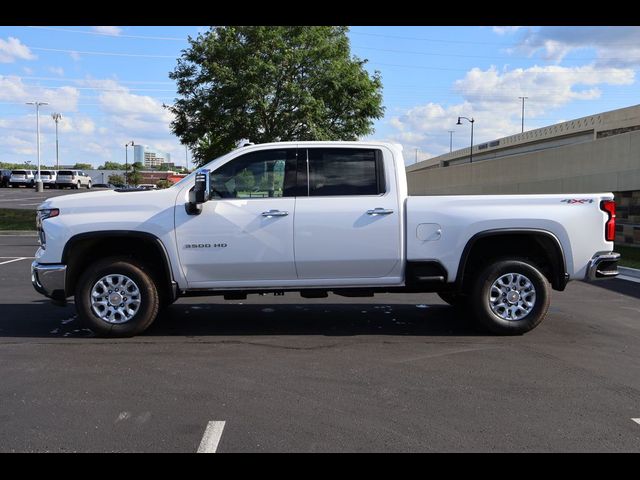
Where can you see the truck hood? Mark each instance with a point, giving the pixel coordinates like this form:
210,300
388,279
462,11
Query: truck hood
112,201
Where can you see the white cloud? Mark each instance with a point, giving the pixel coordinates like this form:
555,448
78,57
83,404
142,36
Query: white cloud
13,49
506,30
57,70
115,31
491,97
616,46
75,56
12,89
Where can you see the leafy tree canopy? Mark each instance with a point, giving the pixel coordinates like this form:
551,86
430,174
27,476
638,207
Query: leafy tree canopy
271,83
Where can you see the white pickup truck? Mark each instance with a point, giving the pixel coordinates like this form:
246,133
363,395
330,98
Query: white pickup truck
316,217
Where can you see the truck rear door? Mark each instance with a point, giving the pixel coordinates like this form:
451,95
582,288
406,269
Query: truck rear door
348,226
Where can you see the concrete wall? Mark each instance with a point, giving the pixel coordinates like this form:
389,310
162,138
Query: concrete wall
609,164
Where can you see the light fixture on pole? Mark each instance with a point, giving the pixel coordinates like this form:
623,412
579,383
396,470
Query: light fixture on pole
56,118
523,99
39,187
126,162
470,120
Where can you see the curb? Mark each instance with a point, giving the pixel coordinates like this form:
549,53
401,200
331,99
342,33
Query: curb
24,233
629,272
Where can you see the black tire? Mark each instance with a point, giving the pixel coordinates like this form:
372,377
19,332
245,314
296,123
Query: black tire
149,305
481,303
455,299
78,186
89,186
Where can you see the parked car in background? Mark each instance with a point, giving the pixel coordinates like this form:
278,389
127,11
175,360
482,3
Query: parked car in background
148,186
104,185
25,178
4,178
48,178
73,179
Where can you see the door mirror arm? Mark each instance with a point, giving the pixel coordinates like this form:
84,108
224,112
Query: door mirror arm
200,193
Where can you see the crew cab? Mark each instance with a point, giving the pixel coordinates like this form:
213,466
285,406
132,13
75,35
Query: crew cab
73,179
316,217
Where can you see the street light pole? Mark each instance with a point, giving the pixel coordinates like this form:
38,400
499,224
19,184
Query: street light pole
126,162
523,99
39,187
186,156
450,141
56,118
470,120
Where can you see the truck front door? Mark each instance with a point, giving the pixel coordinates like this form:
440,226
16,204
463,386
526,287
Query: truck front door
244,234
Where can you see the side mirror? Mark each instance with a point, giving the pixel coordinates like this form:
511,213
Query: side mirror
200,193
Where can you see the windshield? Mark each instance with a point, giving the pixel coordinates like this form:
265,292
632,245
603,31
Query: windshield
19,172
65,172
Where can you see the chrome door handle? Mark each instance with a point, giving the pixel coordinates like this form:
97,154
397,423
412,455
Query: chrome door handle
379,211
275,213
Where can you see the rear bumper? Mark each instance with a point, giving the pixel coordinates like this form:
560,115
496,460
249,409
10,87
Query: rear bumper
603,265
49,280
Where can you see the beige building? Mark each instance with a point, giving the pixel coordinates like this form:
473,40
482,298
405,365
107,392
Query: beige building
598,153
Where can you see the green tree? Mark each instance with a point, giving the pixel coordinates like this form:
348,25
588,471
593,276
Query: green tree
245,181
83,166
117,180
163,183
134,177
111,166
271,83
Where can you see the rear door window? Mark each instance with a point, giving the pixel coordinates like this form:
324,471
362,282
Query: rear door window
345,171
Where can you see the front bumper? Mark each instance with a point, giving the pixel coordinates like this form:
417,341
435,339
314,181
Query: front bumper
49,280
603,265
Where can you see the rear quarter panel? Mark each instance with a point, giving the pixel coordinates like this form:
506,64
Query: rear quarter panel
575,219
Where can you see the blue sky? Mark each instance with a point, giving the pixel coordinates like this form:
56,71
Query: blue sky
109,83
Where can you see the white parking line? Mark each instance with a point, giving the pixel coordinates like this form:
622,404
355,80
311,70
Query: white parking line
14,260
26,198
637,420
28,204
211,437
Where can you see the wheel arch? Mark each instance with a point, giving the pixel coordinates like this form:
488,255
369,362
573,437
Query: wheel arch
84,248
548,245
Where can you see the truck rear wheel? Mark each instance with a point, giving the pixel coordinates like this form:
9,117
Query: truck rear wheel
116,297
510,297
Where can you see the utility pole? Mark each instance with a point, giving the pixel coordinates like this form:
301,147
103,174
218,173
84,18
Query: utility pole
416,154
523,99
186,156
450,141
39,187
56,118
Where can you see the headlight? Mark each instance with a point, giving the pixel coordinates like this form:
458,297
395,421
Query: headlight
48,213
43,215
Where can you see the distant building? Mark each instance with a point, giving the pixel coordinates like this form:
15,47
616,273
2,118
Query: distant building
149,157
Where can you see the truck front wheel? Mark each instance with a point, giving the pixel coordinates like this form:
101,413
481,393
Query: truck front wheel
510,297
116,297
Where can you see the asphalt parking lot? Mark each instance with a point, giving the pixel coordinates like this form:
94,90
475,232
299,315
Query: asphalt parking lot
28,198
396,373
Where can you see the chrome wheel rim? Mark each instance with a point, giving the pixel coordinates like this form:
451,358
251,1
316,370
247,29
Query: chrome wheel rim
512,296
115,298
